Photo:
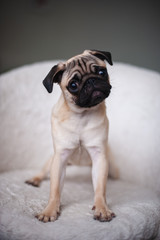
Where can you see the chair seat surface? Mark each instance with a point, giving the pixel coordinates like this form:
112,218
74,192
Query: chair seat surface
137,209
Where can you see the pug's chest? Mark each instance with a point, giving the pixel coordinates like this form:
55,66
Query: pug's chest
75,127
81,136
89,128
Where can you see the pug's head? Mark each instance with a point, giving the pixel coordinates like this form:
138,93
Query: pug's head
84,79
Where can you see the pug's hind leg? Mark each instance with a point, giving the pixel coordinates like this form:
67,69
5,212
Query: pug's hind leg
38,178
113,169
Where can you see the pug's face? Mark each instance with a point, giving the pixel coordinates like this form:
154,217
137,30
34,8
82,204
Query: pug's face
84,78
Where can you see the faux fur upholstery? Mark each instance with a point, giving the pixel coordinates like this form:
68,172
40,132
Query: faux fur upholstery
25,144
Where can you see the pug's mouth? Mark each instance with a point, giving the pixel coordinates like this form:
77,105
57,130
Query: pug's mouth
97,94
96,97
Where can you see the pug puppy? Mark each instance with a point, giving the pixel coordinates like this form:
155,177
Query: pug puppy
79,126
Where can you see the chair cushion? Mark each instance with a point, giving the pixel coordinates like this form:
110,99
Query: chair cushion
133,111
137,209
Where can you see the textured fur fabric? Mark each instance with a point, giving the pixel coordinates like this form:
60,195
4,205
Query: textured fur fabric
25,143
137,209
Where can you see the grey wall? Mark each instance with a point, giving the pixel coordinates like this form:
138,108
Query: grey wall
37,30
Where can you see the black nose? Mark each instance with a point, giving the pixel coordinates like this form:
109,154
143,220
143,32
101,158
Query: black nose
91,81
110,86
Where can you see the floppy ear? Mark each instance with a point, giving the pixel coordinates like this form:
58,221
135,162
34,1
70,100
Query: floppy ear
54,76
102,55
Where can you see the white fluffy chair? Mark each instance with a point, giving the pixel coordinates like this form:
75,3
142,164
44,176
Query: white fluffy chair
25,143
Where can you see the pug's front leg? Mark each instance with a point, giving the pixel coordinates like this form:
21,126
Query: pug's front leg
99,178
57,174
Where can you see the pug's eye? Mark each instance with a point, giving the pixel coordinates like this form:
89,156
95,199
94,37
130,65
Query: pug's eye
102,72
73,86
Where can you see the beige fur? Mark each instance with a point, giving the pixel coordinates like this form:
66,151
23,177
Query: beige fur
77,131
